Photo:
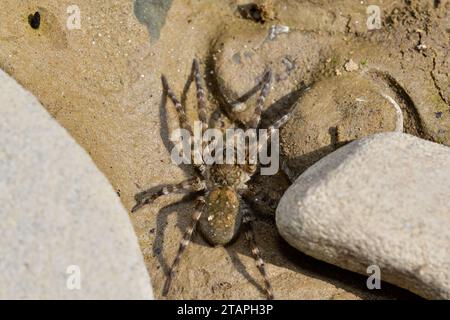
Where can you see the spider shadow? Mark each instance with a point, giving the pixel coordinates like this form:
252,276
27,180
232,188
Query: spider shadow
161,223
270,114
225,106
241,268
283,106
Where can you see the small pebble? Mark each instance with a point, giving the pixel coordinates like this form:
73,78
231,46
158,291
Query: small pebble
351,66
34,20
421,47
277,29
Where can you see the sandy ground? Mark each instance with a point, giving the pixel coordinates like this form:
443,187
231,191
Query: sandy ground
102,83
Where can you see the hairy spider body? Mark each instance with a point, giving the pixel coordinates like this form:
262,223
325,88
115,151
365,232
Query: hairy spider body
220,210
223,216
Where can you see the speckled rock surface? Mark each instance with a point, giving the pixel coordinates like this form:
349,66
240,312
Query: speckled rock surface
382,200
65,234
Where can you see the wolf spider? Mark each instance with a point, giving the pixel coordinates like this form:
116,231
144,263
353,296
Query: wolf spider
221,186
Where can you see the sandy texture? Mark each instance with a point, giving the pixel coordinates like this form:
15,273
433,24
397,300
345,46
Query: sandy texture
331,114
65,234
102,83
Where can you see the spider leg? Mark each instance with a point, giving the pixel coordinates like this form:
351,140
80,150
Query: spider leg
216,119
202,115
256,118
271,129
253,147
183,120
178,106
149,196
279,123
250,236
200,95
250,169
184,242
258,200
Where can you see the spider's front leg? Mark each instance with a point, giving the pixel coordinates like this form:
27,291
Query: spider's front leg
247,222
178,106
201,104
200,168
254,122
263,140
150,195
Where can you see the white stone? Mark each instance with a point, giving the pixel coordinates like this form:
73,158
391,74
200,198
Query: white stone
59,216
382,200
351,66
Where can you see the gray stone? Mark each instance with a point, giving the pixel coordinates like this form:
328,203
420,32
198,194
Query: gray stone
153,14
383,200
60,220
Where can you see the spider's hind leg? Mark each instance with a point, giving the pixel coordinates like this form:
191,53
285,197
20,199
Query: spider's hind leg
250,236
200,203
149,196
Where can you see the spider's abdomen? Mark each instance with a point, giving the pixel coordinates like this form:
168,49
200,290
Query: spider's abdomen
221,220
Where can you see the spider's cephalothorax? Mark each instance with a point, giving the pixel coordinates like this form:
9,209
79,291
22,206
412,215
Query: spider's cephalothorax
220,210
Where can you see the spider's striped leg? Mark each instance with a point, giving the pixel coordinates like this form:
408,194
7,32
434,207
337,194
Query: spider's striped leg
253,147
180,109
200,203
216,119
149,196
256,118
201,104
200,95
251,151
250,236
279,123
271,129
200,167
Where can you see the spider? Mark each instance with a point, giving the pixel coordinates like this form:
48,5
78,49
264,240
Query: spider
220,209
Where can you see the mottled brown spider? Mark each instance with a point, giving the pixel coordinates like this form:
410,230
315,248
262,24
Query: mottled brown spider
220,209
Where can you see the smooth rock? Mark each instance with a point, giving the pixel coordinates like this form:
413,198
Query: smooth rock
382,200
65,234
